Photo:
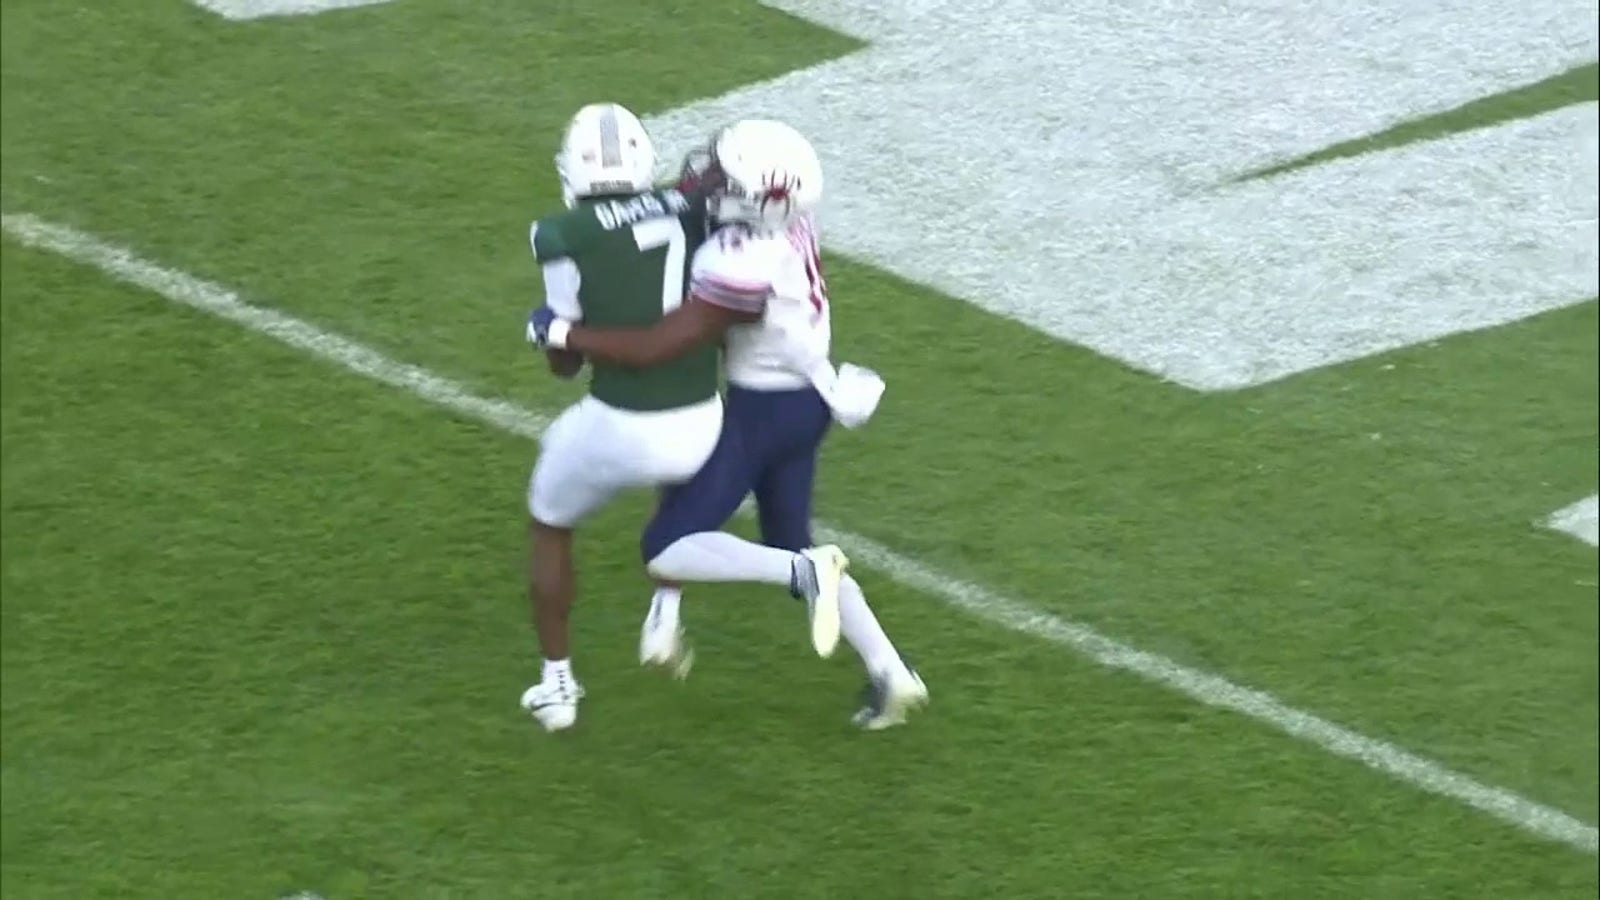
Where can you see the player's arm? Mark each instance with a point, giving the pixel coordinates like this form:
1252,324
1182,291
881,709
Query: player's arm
561,295
698,321
564,363
717,302
561,283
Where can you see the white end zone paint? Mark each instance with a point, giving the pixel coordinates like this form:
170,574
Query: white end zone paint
1581,520
1203,687
1065,165
241,10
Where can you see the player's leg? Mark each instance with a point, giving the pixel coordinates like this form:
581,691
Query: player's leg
660,450
684,547
569,483
662,641
894,688
783,498
784,491
705,501
796,424
551,588
813,574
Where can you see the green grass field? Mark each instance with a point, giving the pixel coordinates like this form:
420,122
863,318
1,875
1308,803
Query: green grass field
264,623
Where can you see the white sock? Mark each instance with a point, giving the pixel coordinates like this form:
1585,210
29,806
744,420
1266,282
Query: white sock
664,606
556,669
719,556
861,629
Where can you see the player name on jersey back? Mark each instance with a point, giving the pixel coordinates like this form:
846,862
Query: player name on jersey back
614,214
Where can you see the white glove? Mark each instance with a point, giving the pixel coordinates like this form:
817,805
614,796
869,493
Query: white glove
852,392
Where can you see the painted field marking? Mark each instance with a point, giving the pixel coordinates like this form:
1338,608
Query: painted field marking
1581,520
243,10
1071,166
1212,690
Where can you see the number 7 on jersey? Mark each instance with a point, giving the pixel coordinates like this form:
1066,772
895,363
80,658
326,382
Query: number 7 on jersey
668,232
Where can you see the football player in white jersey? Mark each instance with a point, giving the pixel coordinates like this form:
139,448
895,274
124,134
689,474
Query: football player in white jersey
757,285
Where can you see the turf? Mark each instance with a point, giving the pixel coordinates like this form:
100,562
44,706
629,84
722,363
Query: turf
262,620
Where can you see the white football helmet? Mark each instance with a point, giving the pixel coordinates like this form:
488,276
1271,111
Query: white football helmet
605,150
769,172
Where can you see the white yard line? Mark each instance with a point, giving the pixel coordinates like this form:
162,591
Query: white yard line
1212,690
245,10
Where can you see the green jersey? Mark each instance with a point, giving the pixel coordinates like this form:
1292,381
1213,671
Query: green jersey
629,258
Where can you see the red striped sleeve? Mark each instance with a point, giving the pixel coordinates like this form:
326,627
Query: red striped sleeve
719,290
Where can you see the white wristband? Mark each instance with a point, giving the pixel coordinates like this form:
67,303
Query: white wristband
557,336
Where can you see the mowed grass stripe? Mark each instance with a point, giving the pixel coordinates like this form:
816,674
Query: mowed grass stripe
1580,84
1212,690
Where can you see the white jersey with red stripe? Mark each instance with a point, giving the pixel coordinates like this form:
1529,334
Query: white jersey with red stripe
778,276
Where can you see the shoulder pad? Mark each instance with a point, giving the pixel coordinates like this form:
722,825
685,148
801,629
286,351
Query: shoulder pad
735,258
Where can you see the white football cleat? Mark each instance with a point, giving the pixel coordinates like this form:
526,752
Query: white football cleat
664,645
554,703
891,697
816,578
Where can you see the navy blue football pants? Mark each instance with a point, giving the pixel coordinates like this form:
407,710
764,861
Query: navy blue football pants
768,446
